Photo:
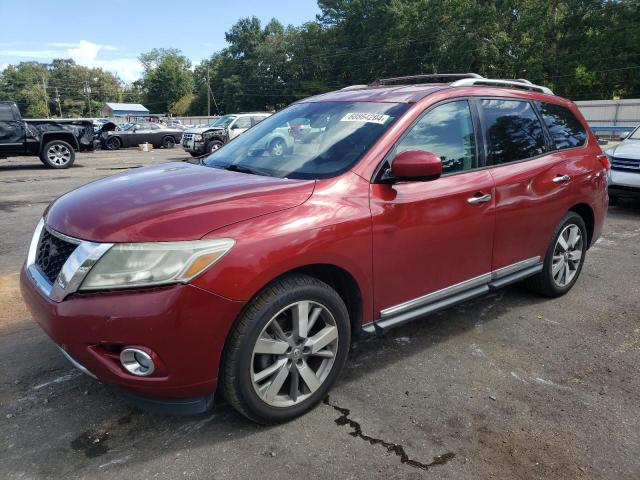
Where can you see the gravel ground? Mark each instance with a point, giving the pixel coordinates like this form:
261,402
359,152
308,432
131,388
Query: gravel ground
507,386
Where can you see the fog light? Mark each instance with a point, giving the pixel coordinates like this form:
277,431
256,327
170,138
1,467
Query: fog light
137,362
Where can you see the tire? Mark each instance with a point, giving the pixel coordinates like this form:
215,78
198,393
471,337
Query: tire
113,143
57,154
195,154
168,142
277,147
243,362
551,281
214,145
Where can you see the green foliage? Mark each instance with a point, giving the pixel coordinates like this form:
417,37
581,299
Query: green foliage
167,78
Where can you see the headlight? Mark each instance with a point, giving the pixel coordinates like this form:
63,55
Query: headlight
157,263
197,137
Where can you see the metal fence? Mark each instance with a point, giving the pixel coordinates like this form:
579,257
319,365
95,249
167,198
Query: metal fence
611,117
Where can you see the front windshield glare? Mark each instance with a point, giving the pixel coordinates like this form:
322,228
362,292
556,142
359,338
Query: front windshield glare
309,140
635,135
223,121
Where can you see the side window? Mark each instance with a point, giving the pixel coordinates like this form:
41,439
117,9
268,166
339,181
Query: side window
566,130
243,122
256,120
446,131
153,126
6,115
513,131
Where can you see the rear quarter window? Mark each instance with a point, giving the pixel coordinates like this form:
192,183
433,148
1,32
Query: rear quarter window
565,129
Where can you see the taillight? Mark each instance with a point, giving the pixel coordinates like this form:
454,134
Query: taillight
604,160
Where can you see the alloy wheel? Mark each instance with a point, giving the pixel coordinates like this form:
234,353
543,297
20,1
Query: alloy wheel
567,255
294,354
277,148
59,154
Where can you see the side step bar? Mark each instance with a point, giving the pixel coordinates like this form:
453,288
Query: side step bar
381,326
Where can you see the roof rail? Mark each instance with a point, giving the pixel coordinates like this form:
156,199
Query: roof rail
490,82
354,87
431,78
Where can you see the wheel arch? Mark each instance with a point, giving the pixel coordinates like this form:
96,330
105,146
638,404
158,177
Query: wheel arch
588,216
63,136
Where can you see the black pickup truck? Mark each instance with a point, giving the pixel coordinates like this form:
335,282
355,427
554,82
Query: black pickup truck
54,141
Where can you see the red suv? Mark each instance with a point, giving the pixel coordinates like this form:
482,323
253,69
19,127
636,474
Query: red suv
250,273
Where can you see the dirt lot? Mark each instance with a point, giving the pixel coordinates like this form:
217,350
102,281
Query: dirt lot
508,386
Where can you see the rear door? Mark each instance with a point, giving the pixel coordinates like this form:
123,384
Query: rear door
428,236
532,192
12,131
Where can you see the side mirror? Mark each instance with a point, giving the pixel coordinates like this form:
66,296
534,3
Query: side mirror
416,165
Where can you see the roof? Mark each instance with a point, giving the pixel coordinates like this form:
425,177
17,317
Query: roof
391,94
129,107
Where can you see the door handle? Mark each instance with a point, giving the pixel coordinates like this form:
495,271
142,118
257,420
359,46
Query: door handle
479,199
561,179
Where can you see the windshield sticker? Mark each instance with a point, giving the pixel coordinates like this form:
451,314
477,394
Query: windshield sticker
365,117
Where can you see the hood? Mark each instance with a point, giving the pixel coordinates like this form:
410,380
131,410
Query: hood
170,202
203,129
627,149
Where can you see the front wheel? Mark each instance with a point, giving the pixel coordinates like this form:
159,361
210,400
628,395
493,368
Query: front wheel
214,145
564,258
113,143
168,142
277,147
58,154
286,351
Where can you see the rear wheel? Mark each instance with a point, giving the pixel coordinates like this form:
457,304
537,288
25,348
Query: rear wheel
564,258
58,154
277,147
286,351
113,143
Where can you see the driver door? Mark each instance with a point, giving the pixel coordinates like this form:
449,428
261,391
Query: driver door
240,125
432,235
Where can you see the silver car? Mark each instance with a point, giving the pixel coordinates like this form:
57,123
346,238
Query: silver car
624,177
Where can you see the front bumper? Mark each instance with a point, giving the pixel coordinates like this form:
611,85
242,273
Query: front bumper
184,326
624,183
193,146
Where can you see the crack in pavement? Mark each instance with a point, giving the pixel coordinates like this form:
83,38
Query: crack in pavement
391,447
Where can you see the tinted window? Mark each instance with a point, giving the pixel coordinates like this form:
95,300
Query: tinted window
242,122
446,131
513,131
566,131
6,115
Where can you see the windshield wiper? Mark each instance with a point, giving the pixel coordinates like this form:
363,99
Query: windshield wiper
234,167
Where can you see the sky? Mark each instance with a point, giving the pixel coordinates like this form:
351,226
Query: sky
112,34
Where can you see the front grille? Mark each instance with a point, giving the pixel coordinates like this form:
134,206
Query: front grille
52,253
628,163
187,136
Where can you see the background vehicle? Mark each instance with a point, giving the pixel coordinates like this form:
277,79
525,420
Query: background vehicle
270,262
198,141
174,123
624,177
133,134
54,141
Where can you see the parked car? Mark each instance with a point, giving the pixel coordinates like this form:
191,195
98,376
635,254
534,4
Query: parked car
174,123
202,140
624,177
53,141
252,272
134,134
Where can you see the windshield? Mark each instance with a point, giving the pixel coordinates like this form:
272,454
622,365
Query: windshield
308,140
635,135
223,121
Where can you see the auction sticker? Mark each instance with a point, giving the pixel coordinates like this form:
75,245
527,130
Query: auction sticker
365,117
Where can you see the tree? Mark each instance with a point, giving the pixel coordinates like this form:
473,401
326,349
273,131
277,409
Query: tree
166,79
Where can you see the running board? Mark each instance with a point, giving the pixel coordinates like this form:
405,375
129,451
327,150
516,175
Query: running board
500,277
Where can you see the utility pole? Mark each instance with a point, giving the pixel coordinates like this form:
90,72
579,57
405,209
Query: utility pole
214,98
57,99
46,98
87,90
208,90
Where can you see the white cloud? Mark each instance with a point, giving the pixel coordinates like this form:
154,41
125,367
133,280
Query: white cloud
84,53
